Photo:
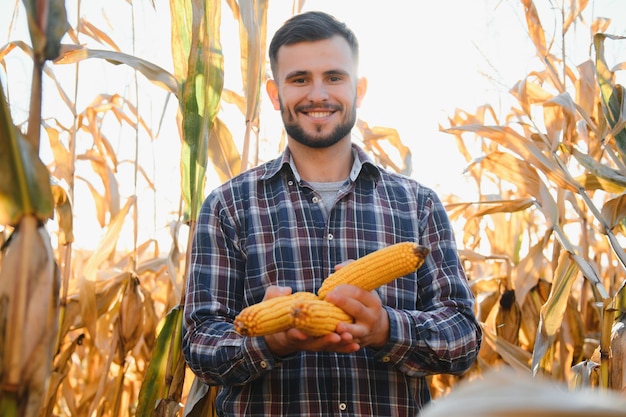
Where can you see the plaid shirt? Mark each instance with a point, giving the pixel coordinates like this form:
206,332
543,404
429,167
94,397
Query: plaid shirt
266,227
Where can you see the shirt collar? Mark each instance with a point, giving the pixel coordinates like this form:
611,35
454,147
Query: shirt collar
362,163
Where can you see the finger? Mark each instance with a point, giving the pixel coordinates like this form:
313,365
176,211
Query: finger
275,291
344,263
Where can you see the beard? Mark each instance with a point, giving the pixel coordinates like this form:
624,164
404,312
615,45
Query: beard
319,140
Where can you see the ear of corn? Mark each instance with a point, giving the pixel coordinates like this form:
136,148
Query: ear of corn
314,316
377,268
317,317
302,310
268,316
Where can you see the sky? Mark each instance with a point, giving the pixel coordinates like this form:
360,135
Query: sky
422,59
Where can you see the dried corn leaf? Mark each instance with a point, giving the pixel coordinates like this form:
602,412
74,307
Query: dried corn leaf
71,54
526,149
553,310
131,314
252,36
617,369
378,140
91,30
614,211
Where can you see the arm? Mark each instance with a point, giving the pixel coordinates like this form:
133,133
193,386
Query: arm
440,334
215,292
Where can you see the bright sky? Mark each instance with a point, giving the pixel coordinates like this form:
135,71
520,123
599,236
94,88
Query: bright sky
422,60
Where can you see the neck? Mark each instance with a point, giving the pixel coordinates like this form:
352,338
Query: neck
323,165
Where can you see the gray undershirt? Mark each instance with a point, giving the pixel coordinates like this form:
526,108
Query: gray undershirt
328,191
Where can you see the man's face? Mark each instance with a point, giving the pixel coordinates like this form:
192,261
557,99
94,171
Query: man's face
316,91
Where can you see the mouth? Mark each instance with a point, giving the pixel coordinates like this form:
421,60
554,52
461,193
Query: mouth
319,114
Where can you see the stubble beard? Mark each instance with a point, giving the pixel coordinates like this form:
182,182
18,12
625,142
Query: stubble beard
297,133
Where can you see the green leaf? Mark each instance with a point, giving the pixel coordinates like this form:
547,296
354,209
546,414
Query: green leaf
24,179
612,94
200,101
154,386
182,29
46,40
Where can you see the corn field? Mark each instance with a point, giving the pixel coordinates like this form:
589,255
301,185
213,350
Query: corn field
94,329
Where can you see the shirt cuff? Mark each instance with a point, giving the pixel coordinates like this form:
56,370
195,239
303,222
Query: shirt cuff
260,359
401,337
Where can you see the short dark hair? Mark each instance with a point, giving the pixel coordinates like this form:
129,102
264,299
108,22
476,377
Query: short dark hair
309,27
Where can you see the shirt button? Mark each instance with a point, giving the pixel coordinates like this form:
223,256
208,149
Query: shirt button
343,406
330,236
263,364
315,200
290,183
386,359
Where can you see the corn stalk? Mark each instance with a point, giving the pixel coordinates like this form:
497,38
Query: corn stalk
29,277
562,149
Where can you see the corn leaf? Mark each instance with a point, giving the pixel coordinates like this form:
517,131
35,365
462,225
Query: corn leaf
553,311
154,387
612,95
614,210
47,24
24,179
71,54
182,30
535,30
222,151
512,354
252,34
379,140
599,170
29,306
200,96
523,175
526,149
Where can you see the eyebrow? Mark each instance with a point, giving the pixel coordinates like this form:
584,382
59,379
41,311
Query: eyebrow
296,74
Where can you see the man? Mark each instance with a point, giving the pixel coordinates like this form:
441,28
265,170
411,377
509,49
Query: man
285,225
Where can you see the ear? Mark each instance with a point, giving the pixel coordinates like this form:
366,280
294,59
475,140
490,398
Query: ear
361,88
272,91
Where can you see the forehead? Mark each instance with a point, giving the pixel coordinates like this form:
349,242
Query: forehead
316,56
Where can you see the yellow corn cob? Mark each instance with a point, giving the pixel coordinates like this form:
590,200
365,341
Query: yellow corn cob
377,268
268,316
317,317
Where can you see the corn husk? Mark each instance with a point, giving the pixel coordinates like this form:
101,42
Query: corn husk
29,290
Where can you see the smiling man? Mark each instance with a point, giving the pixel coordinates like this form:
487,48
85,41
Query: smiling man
284,226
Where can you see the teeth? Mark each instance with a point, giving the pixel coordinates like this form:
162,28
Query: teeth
320,113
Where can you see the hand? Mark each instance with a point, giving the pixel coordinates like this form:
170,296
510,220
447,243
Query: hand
293,340
371,325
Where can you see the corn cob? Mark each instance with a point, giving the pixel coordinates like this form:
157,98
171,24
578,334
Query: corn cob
377,268
317,317
268,316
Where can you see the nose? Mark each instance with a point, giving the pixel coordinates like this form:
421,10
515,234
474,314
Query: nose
318,92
